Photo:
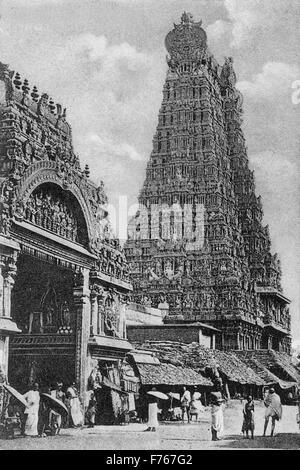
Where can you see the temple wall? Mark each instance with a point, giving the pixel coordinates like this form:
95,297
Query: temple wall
139,314
183,334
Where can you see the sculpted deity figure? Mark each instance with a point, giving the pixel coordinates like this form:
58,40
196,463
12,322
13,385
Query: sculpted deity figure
49,315
152,274
65,314
169,272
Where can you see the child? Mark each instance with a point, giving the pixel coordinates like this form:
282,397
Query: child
248,413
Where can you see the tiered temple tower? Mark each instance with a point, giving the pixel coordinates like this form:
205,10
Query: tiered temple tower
198,243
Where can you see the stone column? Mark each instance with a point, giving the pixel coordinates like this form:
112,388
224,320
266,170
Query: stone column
239,341
94,312
8,283
8,269
200,336
269,342
82,310
100,313
2,265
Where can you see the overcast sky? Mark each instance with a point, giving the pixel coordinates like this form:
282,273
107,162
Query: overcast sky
105,61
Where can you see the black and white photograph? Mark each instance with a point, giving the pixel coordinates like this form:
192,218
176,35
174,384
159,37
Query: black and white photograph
149,227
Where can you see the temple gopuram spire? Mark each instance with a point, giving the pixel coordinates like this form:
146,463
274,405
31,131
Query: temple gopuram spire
198,242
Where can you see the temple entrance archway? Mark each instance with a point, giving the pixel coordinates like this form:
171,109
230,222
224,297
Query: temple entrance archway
43,307
56,210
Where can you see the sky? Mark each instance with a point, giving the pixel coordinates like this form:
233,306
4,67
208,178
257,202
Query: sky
105,61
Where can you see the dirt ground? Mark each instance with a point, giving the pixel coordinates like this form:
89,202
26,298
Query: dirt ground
175,436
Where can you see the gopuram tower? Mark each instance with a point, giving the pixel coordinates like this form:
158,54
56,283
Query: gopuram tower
198,243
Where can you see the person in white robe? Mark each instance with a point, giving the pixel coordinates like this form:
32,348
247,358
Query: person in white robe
217,417
74,406
31,412
273,410
152,413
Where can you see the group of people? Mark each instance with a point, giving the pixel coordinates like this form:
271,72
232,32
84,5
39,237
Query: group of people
273,410
39,418
191,404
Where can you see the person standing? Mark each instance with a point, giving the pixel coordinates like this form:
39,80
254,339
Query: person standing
152,412
74,405
248,414
55,417
91,410
31,412
217,418
44,415
273,410
185,404
196,406
298,404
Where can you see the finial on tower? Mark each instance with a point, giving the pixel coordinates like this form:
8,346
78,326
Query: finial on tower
186,43
187,18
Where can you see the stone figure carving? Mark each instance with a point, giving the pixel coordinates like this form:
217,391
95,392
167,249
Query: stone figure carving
65,314
47,210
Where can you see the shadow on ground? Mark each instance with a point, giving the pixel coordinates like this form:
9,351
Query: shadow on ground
279,441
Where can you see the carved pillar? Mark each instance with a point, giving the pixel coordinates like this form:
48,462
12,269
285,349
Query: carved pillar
2,265
213,341
239,341
269,342
94,312
97,295
122,316
82,309
8,283
9,253
100,314
200,336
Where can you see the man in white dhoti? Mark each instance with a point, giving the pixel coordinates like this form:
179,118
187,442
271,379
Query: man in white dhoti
152,413
74,406
273,410
217,418
31,412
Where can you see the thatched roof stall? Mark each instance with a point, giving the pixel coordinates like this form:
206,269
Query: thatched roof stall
167,374
278,363
166,377
266,375
205,361
236,370
152,371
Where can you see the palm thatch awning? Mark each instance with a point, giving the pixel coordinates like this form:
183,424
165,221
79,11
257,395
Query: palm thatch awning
278,363
267,376
200,359
168,374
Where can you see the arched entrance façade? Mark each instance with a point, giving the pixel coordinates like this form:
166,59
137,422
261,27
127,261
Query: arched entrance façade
63,276
54,237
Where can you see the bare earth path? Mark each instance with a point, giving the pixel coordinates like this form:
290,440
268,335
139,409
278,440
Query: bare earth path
171,436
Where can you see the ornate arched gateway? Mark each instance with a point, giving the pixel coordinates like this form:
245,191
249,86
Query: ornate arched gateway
64,278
